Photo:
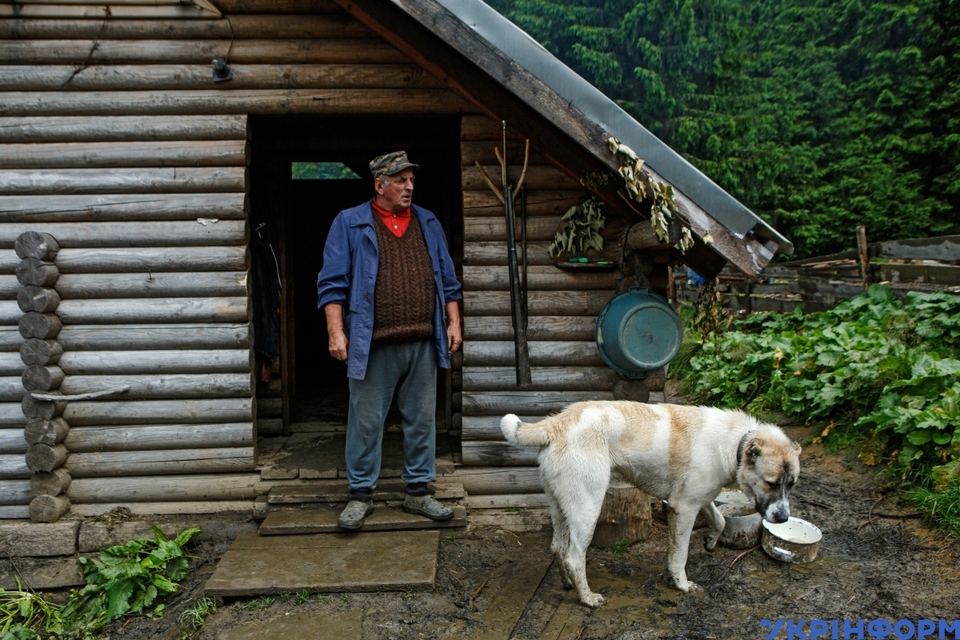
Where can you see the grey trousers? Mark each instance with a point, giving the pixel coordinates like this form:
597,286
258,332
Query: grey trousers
409,368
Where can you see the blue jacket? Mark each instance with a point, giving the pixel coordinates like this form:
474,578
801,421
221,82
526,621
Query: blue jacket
349,276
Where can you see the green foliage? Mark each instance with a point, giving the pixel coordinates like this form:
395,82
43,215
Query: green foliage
820,115
886,367
127,578
197,614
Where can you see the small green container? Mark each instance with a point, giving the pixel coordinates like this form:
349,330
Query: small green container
638,332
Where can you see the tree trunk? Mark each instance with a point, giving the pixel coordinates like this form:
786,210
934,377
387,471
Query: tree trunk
625,516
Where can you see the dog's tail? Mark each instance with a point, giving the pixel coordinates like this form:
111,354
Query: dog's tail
517,432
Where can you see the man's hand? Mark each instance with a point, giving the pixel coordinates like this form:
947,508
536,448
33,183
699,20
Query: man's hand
338,343
454,337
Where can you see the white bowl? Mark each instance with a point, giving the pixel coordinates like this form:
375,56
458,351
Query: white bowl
795,540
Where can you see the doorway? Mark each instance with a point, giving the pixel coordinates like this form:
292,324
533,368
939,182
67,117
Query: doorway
293,204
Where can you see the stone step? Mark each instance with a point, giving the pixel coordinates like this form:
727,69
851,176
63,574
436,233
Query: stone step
336,491
383,518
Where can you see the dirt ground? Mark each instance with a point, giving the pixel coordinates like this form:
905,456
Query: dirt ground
877,561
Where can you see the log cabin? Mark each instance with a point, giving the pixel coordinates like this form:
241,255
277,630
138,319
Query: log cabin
150,207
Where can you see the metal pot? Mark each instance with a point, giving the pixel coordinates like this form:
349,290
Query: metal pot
741,529
638,332
795,540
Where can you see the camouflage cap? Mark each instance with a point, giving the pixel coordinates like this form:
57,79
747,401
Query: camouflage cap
390,164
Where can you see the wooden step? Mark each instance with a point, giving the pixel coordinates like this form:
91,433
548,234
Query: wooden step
336,491
383,518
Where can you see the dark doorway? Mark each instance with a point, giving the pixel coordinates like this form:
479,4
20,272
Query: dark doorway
295,213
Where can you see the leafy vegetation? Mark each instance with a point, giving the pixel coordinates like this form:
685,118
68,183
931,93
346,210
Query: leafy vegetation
881,370
819,115
131,578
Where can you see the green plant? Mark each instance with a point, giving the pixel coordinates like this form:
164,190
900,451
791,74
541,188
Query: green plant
23,614
197,614
285,596
266,602
303,596
346,597
621,546
584,221
127,578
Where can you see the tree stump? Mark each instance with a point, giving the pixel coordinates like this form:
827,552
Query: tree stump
625,516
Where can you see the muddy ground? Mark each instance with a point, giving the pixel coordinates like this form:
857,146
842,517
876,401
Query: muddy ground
877,561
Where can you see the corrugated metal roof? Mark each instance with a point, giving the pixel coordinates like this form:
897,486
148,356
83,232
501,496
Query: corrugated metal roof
583,96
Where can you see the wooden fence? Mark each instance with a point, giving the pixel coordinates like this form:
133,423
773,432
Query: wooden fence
817,284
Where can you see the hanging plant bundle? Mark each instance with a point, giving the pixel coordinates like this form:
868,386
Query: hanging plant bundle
584,221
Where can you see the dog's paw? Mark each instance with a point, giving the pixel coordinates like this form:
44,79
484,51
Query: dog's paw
687,586
593,600
710,545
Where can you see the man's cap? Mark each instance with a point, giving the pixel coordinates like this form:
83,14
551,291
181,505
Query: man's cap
390,164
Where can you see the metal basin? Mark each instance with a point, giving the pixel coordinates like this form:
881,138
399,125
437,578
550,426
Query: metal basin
638,332
795,540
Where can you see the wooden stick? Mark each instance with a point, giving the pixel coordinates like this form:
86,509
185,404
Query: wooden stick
493,187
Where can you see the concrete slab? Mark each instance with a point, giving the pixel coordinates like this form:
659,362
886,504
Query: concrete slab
379,561
280,523
40,573
31,539
322,625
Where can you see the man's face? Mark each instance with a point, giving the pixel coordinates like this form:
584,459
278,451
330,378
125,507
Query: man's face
395,193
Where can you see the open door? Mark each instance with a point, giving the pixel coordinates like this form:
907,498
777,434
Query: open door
303,172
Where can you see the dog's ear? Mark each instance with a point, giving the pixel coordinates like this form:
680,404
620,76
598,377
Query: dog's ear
754,450
796,447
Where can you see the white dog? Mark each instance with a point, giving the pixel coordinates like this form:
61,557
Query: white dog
682,454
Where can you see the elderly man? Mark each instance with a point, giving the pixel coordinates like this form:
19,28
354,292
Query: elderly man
390,295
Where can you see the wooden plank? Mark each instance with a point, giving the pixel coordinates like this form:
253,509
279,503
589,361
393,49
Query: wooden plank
150,285
122,128
540,203
183,488
169,462
540,278
167,233
499,403
383,518
149,259
122,207
238,27
307,51
231,7
107,11
945,248
159,437
915,273
139,412
534,519
238,507
158,180
81,363
159,386
12,442
142,337
508,501
498,454
554,353
150,310
540,303
327,102
567,378
498,481
500,328
153,77
520,585
74,155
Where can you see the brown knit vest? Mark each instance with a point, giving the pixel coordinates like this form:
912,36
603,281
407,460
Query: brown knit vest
404,294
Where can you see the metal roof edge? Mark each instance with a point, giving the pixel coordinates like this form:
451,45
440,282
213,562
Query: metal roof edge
583,96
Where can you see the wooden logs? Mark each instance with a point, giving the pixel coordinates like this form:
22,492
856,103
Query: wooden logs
151,310
38,299
625,516
204,232
211,385
159,437
123,412
144,259
49,432
11,441
176,488
47,508
44,457
35,351
30,407
159,180
33,271
34,244
42,378
121,207
78,155
148,337
169,462
42,326
10,364
155,362
632,390
51,483
599,379
122,128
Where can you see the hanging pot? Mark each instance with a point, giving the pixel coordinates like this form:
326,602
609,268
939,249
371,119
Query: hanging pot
638,332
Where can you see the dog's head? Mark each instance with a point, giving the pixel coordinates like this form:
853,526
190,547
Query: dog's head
768,467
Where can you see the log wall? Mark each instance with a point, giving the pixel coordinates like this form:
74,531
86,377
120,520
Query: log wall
116,141
562,305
